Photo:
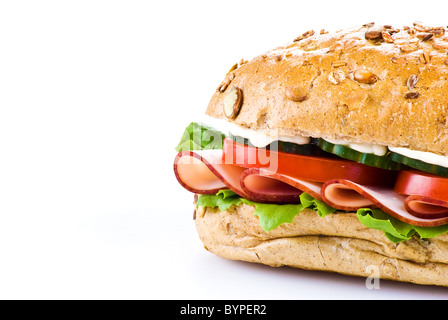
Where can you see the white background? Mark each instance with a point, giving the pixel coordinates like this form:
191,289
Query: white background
94,95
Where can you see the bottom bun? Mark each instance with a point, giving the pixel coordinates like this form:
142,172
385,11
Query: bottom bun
337,243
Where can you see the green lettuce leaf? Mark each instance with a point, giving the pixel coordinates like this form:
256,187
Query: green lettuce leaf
227,193
394,229
224,199
270,215
199,137
273,215
309,202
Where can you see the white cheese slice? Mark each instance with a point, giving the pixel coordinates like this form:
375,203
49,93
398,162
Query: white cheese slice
257,138
427,157
261,139
362,147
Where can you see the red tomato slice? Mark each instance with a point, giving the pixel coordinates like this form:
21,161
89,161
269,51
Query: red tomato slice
418,183
312,168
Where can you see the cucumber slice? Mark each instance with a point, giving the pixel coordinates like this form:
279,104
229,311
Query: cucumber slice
310,149
420,165
383,162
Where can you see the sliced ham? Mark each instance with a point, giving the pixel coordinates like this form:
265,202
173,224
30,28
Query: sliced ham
346,195
426,207
259,182
205,172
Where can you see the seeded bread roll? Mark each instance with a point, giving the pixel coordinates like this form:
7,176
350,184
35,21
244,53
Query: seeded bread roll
337,243
373,84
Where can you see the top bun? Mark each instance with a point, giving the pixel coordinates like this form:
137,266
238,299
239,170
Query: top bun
373,84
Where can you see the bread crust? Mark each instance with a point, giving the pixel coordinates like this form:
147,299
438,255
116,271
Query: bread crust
337,243
340,100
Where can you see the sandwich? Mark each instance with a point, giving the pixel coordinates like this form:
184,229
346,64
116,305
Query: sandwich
329,153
